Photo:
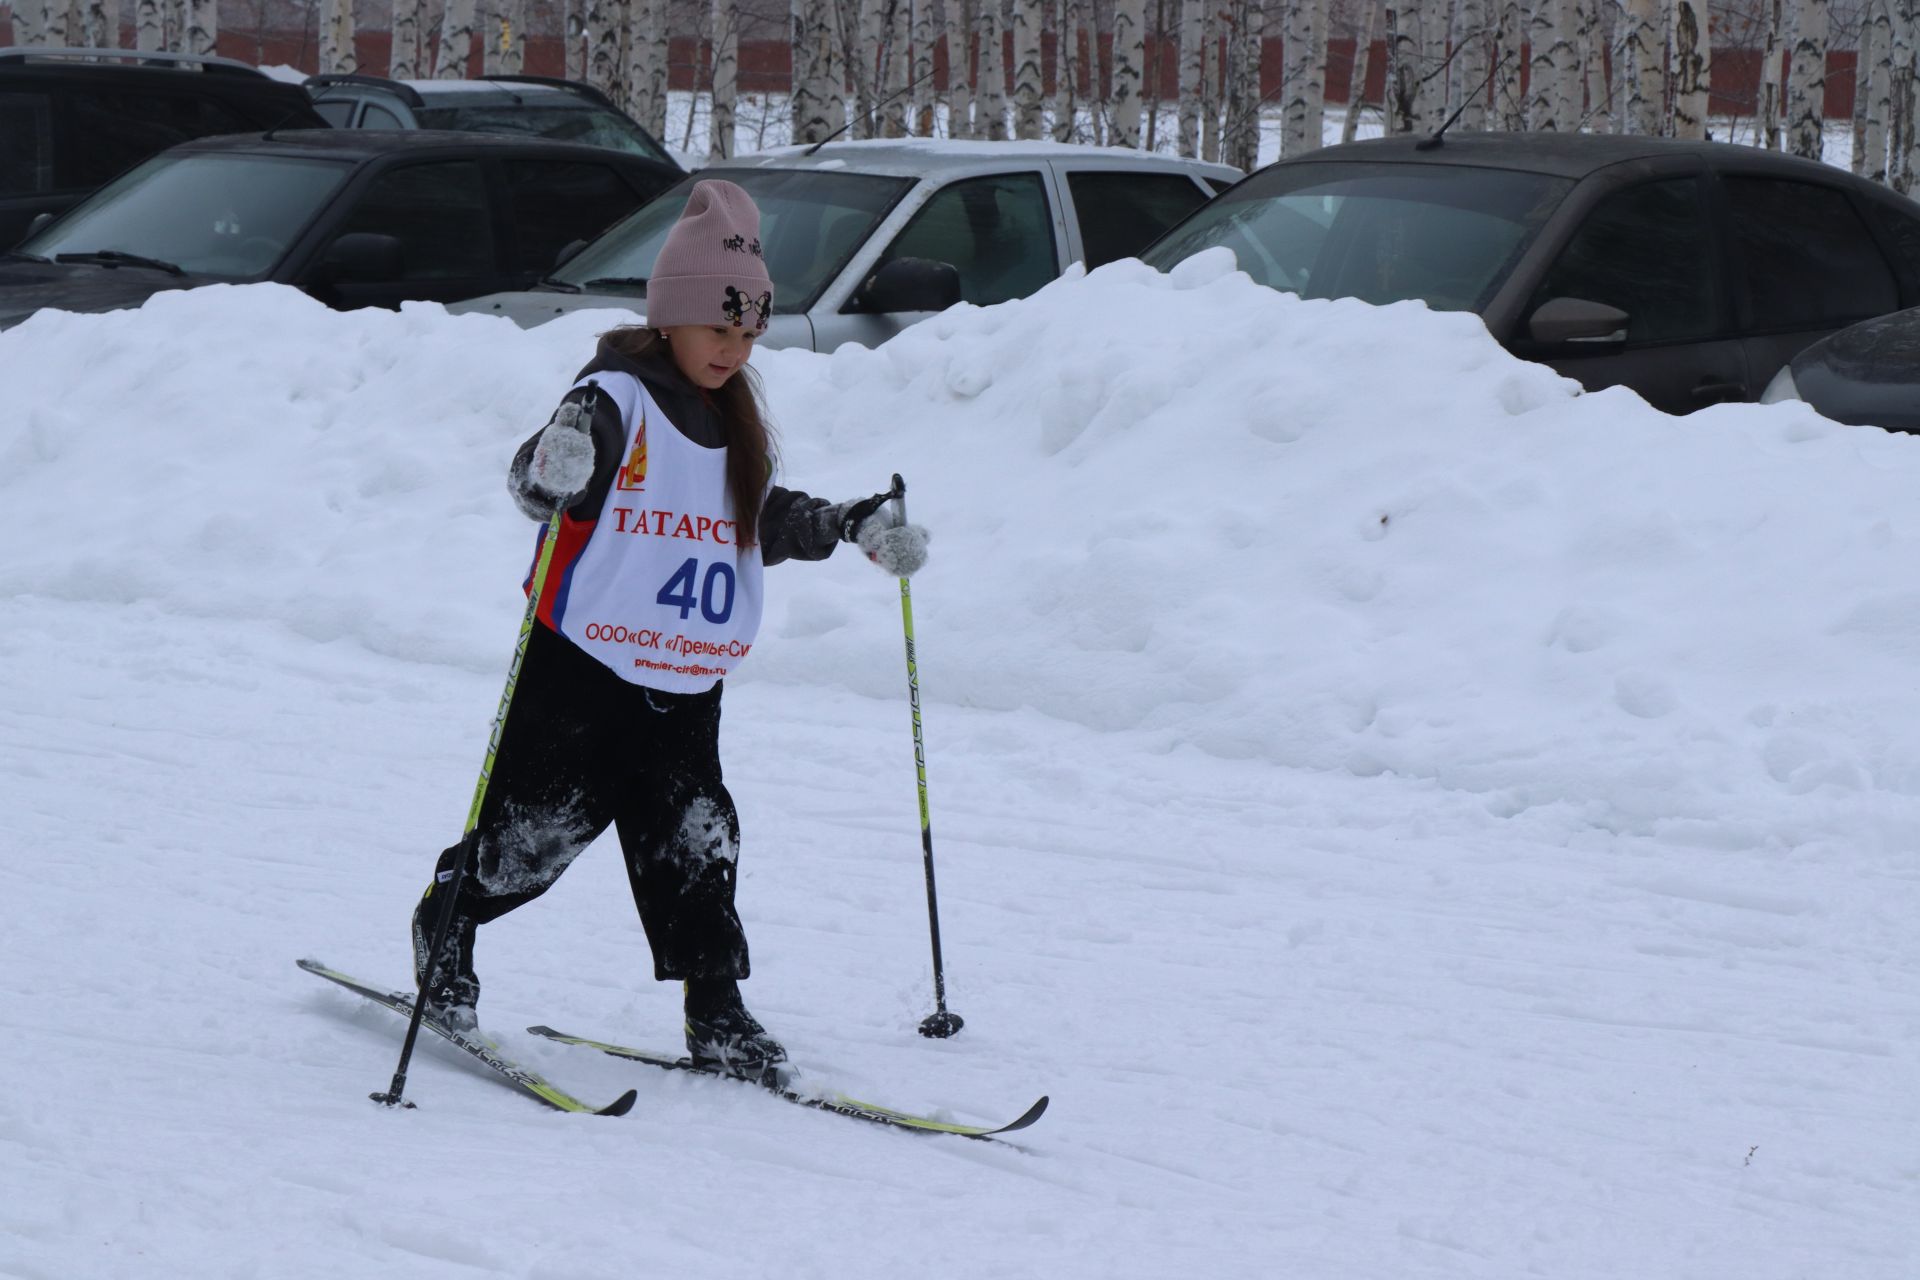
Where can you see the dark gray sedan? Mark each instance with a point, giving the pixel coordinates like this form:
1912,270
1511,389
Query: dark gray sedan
1690,272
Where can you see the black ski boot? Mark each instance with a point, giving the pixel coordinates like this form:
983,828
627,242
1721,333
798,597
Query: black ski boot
722,1036
453,991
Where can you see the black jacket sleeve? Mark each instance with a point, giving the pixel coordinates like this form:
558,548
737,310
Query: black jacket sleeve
609,436
794,526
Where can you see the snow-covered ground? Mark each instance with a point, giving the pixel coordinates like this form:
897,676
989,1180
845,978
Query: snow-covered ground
1414,820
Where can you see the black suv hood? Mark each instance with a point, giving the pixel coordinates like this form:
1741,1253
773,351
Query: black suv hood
27,286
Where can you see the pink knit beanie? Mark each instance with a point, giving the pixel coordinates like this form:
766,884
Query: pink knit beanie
710,270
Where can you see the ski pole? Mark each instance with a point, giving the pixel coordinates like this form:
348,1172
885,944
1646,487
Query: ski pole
469,840
939,1024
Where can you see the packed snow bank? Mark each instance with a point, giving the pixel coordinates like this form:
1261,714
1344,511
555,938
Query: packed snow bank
1184,507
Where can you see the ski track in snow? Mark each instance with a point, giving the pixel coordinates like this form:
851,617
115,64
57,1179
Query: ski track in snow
1364,1028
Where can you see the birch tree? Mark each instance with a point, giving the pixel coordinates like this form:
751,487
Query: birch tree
1510,103
921,67
1193,62
1125,99
1874,79
1357,77
456,39
1807,80
813,33
724,31
605,22
403,53
503,37
1029,85
202,30
1306,80
1475,60
1643,50
646,64
1402,92
1554,68
336,38
1768,104
29,21
1212,90
990,85
895,58
1240,138
1692,68
959,68
863,56
1066,63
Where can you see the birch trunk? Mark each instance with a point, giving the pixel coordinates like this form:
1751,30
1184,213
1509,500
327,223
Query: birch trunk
897,58
1430,88
1066,97
1129,72
146,25
102,24
1403,67
1643,48
503,34
921,68
1475,59
725,35
1807,81
29,23
1767,103
336,38
1028,82
1872,92
1193,63
1554,68
990,87
1692,69
1900,97
456,40
1357,78
812,63
604,23
1592,100
1510,102
959,68
1240,136
863,60
403,53
646,74
1305,80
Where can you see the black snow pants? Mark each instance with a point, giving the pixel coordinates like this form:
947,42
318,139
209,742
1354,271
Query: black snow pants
584,749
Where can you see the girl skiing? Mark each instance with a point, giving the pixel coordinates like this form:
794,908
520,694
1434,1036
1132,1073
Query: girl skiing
661,460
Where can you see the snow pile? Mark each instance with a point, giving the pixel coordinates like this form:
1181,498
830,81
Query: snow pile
1316,534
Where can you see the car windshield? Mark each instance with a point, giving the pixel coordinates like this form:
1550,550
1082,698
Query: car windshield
811,222
223,214
1443,234
563,122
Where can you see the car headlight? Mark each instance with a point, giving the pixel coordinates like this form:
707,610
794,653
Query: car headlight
1781,388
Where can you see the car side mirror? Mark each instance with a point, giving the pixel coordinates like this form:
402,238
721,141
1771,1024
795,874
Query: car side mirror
1562,321
567,253
39,220
364,256
909,284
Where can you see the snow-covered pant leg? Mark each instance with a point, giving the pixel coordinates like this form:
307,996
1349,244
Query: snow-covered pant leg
681,836
555,786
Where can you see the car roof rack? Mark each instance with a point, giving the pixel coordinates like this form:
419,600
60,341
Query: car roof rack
399,88
586,91
145,57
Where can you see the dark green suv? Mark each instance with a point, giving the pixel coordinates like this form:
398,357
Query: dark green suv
72,120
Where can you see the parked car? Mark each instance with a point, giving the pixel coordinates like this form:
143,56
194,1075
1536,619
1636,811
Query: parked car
71,120
355,218
1687,271
865,238
526,106
1866,375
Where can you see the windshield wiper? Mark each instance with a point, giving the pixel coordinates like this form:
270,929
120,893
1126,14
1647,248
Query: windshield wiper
115,258
27,257
628,281
565,286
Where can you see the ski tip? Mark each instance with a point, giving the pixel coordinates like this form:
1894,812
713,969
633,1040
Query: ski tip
1032,1114
620,1105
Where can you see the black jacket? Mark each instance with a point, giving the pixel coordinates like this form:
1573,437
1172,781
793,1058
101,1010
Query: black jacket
793,526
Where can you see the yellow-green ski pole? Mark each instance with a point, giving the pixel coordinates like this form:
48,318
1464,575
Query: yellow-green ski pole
940,1023
453,878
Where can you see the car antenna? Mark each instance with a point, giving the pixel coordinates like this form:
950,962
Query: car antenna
877,107
1436,141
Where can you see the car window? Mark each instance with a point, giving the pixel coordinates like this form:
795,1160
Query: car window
121,128
1808,259
1122,213
811,223
378,117
1903,230
1446,235
556,202
226,215
1647,250
26,158
997,232
564,122
440,214
335,111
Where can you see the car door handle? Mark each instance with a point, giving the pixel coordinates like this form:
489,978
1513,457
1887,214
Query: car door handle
1711,392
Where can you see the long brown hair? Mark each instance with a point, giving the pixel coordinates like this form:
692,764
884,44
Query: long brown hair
751,451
